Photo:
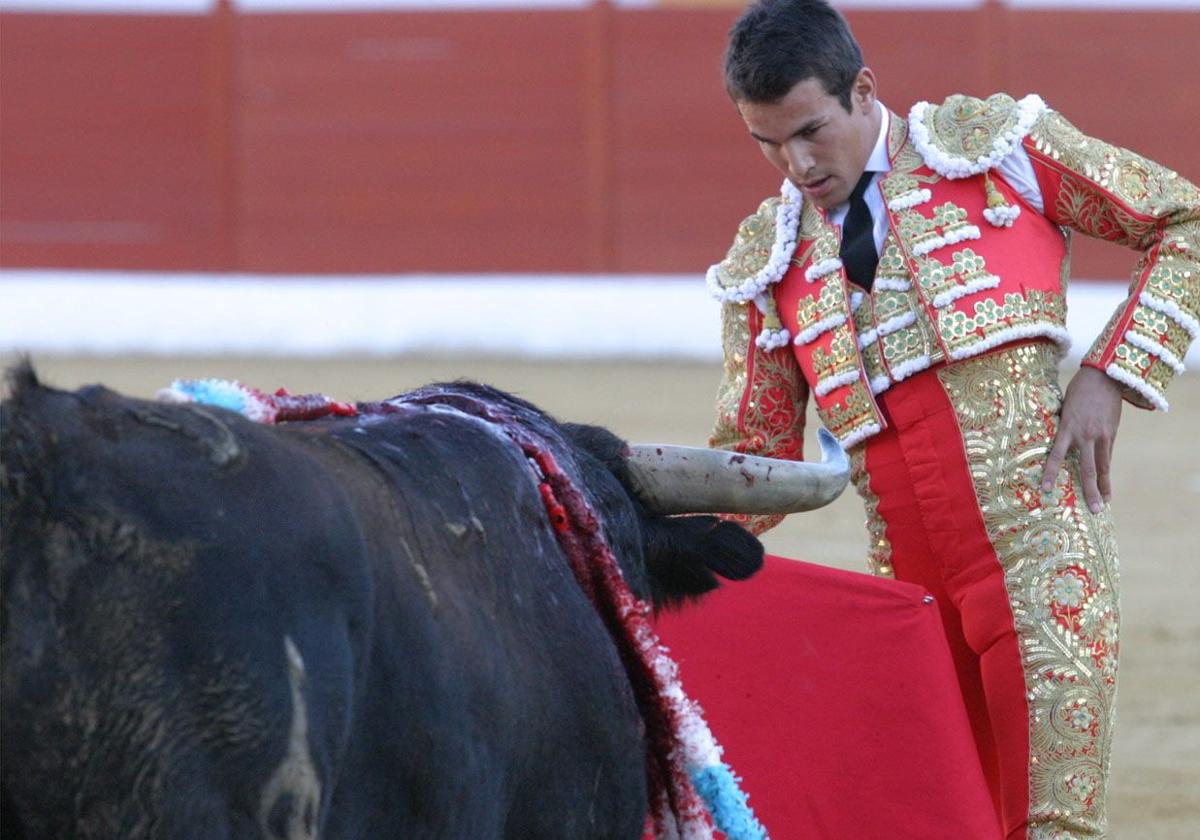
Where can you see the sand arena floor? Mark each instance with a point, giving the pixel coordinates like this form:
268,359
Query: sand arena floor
1155,789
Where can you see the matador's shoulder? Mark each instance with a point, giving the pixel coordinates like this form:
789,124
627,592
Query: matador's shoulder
761,250
966,136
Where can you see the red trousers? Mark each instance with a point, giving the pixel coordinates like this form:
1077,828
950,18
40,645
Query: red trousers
1026,583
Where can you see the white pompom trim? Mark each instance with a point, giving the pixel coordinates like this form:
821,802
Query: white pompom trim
787,220
926,245
819,269
1059,334
955,236
1152,394
1155,349
904,370
810,334
880,383
1002,217
772,339
957,166
962,234
944,299
892,284
856,300
1172,310
829,383
859,435
888,327
899,322
912,198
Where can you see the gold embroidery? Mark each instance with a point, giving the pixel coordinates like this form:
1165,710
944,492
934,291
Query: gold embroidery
1147,188
830,300
864,319
772,421
854,413
1118,195
1060,568
1177,281
751,249
1160,328
1037,313
1156,373
968,127
915,343
841,357
879,548
824,238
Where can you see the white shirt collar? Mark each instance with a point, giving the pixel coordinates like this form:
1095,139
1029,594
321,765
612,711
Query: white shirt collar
878,160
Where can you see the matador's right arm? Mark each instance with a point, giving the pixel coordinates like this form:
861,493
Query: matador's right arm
761,400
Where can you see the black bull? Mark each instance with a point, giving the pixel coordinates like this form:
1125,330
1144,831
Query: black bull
343,628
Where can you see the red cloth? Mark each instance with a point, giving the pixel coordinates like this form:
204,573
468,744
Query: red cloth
835,698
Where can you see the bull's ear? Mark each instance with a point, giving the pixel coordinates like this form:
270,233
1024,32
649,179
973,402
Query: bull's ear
683,552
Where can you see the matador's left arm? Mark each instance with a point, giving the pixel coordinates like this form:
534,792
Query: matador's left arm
1114,194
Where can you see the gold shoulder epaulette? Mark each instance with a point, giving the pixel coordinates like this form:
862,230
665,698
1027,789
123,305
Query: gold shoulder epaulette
762,250
966,136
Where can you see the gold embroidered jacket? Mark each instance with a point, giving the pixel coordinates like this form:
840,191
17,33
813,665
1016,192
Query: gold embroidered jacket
966,266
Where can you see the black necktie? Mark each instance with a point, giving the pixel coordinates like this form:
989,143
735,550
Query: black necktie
858,238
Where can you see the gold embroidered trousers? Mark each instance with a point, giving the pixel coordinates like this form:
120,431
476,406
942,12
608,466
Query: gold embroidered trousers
1026,582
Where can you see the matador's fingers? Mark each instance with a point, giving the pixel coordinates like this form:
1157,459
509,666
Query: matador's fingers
1104,468
1054,460
1088,474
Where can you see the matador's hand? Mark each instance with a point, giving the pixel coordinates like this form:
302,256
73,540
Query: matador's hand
1091,412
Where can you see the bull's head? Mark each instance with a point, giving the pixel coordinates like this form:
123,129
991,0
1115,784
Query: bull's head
682,555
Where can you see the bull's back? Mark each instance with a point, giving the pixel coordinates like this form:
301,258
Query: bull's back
213,628
183,598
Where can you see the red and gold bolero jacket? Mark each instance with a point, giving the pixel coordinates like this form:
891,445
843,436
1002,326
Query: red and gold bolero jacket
966,267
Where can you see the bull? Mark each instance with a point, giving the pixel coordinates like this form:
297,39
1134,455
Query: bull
347,628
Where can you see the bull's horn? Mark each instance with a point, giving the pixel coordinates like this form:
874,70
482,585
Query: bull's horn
685,479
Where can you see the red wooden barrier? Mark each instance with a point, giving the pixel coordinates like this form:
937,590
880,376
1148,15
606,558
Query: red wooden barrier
566,140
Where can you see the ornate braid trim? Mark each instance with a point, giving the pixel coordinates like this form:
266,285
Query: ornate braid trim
859,435
906,369
1155,349
888,327
1148,392
1172,310
1060,569
912,198
830,383
812,333
772,339
893,284
930,243
1060,335
726,280
879,548
944,299
965,136
819,269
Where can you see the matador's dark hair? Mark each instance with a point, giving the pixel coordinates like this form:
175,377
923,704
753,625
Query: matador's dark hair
776,44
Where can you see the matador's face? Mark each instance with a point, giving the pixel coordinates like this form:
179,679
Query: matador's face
809,137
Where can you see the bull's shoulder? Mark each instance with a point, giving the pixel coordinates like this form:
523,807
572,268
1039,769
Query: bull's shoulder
965,135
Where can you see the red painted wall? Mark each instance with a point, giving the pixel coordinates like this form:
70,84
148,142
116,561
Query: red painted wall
568,140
